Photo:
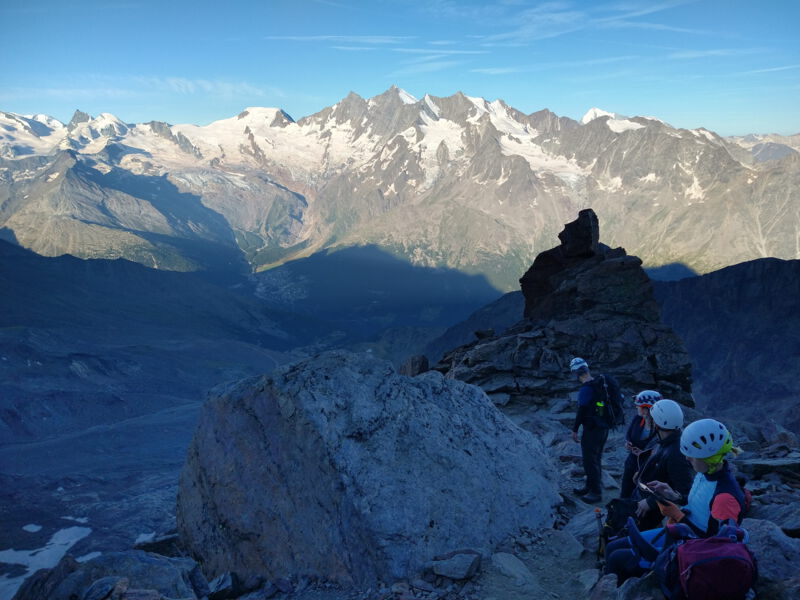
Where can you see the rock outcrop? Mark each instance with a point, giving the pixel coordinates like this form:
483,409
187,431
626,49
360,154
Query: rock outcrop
337,468
122,573
582,298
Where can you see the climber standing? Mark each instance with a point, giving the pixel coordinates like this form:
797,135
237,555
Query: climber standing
591,416
641,432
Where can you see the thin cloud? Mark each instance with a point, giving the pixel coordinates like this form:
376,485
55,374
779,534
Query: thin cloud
561,64
354,48
213,87
344,39
437,51
76,93
554,19
426,67
498,70
622,24
718,52
770,70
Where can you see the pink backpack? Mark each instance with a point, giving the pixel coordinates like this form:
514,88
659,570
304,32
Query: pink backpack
715,568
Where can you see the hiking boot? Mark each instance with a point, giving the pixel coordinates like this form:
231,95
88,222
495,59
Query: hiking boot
581,491
592,498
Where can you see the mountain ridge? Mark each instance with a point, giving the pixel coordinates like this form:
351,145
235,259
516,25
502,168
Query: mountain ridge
457,182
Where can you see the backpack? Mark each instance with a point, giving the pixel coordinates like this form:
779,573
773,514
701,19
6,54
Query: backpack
714,568
615,523
608,401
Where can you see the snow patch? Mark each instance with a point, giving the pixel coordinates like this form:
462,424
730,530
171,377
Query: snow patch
695,192
650,178
620,125
594,113
705,134
82,520
88,557
40,558
32,528
432,106
614,184
538,159
406,97
145,537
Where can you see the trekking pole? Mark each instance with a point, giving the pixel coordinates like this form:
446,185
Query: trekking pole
601,546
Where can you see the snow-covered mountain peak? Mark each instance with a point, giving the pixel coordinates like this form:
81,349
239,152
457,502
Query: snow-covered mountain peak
405,96
596,113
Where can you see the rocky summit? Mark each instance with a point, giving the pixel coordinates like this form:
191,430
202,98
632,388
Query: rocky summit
585,299
339,469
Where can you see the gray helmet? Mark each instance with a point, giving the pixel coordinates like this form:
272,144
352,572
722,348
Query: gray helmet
576,364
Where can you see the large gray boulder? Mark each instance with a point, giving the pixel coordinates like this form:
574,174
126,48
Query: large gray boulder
339,468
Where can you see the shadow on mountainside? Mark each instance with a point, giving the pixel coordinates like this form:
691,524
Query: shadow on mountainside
670,272
198,234
372,296
8,235
741,325
105,363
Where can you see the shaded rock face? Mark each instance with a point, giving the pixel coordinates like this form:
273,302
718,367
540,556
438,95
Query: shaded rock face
581,299
170,577
742,327
340,469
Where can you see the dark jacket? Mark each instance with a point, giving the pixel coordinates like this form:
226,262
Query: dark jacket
586,413
635,434
667,464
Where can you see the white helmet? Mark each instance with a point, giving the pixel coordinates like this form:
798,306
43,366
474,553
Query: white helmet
667,414
646,398
705,438
576,364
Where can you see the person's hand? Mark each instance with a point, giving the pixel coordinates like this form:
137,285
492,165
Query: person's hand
662,488
628,446
575,436
642,508
671,511
636,451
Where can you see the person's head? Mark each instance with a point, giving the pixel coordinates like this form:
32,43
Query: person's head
579,368
667,416
644,401
705,443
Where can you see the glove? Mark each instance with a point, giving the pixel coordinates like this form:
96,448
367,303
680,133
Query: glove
672,512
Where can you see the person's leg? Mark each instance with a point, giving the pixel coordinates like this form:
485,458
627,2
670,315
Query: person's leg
592,443
622,560
589,455
626,485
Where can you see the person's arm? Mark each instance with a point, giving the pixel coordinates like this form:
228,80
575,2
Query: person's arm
725,506
680,475
584,405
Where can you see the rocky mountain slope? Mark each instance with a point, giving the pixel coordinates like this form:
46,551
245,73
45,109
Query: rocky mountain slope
458,182
741,326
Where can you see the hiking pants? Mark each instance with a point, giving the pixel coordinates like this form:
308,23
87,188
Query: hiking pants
624,561
593,441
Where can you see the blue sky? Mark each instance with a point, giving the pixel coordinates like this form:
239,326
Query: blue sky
731,66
